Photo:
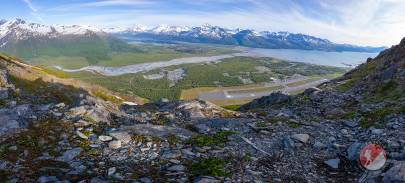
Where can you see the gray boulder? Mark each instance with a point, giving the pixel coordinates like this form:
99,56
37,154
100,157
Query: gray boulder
122,136
288,144
396,174
172,154
353,152
272,99
301,137
4,93
333,163
312,90
69,155
177,168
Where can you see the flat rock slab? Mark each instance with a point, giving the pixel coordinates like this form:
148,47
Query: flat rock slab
301,137
123,136
69,155
333,163
158,130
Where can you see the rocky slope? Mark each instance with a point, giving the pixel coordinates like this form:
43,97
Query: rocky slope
51,132
366,105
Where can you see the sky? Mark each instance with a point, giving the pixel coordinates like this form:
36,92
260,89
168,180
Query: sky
360,22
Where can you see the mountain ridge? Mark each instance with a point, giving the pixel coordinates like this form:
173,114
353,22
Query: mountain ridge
240,37
27,40
12,31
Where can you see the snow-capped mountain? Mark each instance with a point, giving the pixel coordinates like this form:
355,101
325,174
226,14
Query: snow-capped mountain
16,31
242,37
135,28
28,40
19,29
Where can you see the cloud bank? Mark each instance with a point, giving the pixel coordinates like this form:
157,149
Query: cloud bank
362,22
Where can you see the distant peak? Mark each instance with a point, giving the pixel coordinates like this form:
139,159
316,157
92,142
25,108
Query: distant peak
19,21
402,42
206,25
2,21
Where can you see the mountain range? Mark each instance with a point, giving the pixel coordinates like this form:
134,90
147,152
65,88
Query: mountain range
240,37
27,40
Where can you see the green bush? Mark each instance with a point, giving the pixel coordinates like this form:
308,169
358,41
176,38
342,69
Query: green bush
211,166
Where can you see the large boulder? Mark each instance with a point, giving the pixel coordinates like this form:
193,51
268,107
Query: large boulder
71,154
267,101
396,174
4,93
353,152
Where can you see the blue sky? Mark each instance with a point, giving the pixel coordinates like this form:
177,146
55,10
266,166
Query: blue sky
362,22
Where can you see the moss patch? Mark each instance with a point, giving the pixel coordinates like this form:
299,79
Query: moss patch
376,117
211,166
218,139
346,85
232,107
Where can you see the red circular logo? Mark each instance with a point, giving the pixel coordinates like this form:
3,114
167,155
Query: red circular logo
373,157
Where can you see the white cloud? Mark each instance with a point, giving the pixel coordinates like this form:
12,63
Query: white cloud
34,10
30,5
362,22
114,3
103,3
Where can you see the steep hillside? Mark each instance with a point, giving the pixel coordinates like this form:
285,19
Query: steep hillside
381,78
366,105
20,71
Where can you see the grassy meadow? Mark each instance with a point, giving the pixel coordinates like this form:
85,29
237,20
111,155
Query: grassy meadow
201,78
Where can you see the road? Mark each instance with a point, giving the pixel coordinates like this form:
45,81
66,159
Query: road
235,95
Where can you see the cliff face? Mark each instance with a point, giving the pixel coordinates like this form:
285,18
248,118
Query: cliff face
54,129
